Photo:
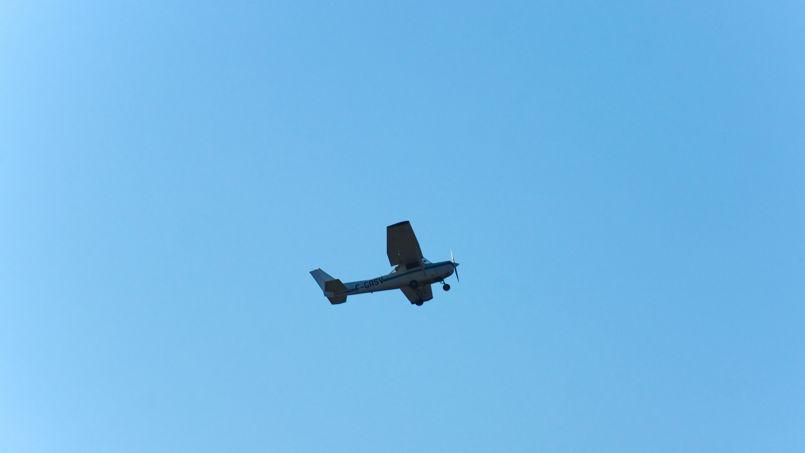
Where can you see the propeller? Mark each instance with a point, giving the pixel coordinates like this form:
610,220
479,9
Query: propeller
455,265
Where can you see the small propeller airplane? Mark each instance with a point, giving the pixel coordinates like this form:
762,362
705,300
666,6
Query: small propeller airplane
412,273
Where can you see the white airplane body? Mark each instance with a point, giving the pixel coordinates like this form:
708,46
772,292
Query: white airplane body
413,274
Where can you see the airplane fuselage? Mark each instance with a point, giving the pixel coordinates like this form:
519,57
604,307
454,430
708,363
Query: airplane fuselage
427,274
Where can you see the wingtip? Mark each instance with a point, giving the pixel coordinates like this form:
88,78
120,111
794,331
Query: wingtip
399,223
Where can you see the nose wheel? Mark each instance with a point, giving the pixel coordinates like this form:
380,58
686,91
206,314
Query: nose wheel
446,287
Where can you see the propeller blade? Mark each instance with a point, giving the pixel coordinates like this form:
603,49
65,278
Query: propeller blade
455,265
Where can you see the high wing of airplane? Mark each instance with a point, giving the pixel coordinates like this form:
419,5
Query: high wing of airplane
412,273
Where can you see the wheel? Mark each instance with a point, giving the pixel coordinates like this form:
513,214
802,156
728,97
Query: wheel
413,284
446,287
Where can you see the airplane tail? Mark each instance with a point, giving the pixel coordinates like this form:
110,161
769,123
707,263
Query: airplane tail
331,286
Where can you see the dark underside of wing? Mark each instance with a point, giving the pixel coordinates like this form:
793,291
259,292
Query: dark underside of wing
421,294
402,246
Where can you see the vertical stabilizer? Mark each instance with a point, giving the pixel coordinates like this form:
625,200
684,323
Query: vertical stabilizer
321,277
333,288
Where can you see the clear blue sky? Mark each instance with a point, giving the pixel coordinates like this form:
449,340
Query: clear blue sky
623,183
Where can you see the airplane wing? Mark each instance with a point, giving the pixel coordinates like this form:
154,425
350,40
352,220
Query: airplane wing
419,295
401,244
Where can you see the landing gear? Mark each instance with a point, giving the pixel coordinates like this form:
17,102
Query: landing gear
446,287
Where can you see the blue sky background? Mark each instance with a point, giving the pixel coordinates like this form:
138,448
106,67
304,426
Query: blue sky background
623,184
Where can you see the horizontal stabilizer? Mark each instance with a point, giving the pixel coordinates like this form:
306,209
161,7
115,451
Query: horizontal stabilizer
334,286
337,299
334,290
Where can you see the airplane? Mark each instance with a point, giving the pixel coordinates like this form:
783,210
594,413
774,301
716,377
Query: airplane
412,273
